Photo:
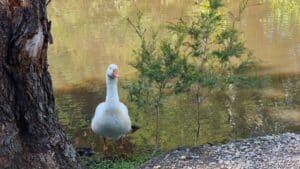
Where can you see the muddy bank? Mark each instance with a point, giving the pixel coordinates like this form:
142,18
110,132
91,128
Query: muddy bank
280,151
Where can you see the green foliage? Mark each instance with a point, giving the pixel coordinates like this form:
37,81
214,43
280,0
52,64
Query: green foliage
221,56
158,66
223,63
215,4
206,55
139,91
230,45
117,162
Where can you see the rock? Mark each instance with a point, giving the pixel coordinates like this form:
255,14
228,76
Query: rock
195,157
182,158
157,167
212,163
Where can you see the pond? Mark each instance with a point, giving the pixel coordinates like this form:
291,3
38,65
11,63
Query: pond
90,34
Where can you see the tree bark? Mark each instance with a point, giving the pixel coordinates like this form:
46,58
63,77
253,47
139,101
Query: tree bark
30,135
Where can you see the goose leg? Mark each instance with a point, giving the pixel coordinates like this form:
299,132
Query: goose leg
105,147
122,141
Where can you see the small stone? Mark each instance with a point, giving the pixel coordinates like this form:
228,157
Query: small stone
157,167
182,157
195,157
212,163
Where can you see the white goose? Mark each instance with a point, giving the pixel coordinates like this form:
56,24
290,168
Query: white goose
111,119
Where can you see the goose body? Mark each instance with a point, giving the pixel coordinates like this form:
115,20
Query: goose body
111,119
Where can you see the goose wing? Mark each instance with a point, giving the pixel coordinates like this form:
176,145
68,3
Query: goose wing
97,116
125,117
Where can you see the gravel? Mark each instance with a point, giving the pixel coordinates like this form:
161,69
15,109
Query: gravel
268,152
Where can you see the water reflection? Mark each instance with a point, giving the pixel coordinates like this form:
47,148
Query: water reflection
255,112
272,30
89,35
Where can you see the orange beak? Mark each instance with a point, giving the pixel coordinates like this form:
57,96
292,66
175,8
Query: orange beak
115,73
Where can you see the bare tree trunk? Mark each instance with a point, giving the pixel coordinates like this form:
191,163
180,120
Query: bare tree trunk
198,119
231,94
156,128
157,111
30,135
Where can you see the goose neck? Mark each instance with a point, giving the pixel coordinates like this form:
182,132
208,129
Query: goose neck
112,89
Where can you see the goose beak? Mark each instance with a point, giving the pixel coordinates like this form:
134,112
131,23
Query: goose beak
115,73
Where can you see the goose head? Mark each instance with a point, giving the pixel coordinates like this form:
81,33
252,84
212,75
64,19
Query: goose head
112,71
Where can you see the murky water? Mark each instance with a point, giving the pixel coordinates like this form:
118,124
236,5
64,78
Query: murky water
90,34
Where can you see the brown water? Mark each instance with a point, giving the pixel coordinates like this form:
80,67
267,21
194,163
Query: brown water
90,34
